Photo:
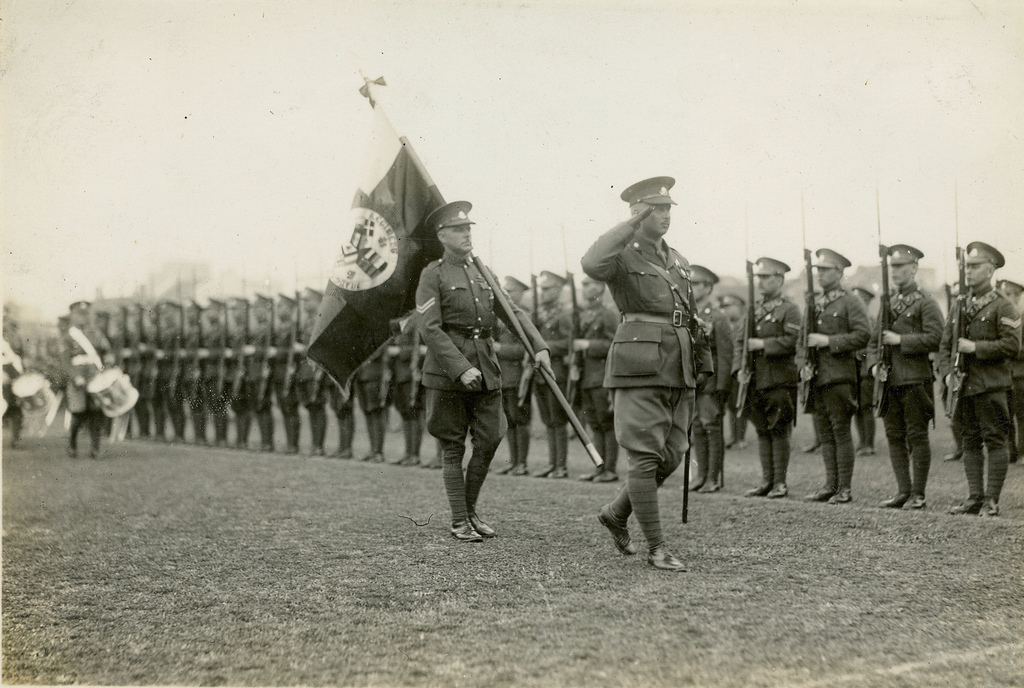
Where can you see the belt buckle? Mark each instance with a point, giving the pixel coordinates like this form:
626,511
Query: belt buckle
677,318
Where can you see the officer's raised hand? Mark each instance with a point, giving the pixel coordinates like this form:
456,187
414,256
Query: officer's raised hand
471,379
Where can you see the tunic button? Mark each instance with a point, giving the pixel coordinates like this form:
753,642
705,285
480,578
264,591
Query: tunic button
636,245
634,339
643,273
477,300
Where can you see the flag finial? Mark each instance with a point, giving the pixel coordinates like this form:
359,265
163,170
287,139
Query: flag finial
367,92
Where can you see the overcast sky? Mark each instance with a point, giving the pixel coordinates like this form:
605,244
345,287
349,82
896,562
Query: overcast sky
136,133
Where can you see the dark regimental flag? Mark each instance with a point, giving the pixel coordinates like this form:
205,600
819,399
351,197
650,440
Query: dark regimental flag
381,253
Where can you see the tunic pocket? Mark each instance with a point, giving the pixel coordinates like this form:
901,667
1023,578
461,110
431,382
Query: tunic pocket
636,350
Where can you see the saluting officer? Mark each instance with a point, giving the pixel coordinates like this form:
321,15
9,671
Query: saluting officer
282,378
1012,291
457,312
841,329
518,412
309,378
554,322
864,419
598,324
993,331
774,379
915,332
213,370
658,358
707,436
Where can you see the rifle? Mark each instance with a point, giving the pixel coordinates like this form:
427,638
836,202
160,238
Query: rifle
172,382
261,386
236,383
196,373
222,362
573,383
884,365
526,379
959,371
414,369
746,372
810,367
289,364
385,373
126,353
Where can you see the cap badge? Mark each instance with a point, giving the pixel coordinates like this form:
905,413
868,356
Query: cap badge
462,215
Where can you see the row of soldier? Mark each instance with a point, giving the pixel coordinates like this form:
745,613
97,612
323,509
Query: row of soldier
203,361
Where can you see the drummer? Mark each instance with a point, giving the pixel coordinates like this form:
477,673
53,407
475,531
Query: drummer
86,350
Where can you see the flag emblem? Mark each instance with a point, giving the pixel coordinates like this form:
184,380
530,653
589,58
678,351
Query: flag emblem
370,255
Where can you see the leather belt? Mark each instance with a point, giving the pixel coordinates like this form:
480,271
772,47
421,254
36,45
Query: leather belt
468,332
675,318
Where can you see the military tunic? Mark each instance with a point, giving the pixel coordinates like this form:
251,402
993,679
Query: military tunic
84,349
598,324
169,401
841,317
993,323
916,318
773,386
457,319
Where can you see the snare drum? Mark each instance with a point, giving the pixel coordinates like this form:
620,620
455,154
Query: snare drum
33,393
113,392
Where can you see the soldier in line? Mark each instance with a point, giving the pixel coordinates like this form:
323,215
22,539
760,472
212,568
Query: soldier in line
518,412
133,361
145,407
458,312
707,436
191,371
864,419
373,388
773,382
169,401
555,326
213,374
342,405
282,374
84,349
842,328
1012,291
659,356
258,374
915,332
309,378
13,351
410,404
597,329
992,327
101,321
238,393
734,308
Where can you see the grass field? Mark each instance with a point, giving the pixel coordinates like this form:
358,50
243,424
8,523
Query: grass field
167,564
